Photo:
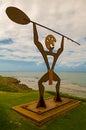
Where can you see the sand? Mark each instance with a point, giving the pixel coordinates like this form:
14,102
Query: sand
69,88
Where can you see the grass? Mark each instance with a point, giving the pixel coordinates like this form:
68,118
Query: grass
11,120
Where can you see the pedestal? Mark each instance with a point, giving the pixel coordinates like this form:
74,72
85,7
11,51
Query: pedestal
39,116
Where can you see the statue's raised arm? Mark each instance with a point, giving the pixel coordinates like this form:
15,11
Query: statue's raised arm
60,50
39,45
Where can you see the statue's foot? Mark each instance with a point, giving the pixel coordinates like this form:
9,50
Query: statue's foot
41,103
57,98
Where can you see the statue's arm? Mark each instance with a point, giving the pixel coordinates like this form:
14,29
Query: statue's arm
39,45
60,50
36,40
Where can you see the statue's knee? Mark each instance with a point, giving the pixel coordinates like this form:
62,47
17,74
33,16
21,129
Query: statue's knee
59,80
40,86
39,83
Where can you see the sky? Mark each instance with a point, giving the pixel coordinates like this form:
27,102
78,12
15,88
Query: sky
17,49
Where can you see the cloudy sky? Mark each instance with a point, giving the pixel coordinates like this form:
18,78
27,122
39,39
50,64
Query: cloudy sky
17,49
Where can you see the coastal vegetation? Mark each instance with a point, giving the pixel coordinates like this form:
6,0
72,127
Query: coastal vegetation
11,84
13,93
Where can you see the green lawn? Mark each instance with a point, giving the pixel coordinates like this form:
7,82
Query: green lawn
11,120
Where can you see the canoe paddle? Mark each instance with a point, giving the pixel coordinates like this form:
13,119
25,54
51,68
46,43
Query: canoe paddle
20,17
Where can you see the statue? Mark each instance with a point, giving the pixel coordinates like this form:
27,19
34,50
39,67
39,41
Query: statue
50,75
20,17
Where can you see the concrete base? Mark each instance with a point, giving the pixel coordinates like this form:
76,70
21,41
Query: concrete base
41,115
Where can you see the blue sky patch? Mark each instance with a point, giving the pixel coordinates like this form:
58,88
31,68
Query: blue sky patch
84,38
6,41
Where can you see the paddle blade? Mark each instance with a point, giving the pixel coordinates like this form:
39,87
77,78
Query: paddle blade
18,16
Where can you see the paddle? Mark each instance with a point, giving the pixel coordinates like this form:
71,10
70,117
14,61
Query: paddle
20,17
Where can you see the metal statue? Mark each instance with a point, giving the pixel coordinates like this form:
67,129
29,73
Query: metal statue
20,17
50,75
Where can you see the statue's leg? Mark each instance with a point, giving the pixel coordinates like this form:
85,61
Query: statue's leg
41,102
56,78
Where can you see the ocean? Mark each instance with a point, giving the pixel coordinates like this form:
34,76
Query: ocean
73,83
66,77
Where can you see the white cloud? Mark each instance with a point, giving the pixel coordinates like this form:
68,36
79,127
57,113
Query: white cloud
67,17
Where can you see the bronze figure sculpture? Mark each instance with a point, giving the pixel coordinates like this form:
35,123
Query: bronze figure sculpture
50,75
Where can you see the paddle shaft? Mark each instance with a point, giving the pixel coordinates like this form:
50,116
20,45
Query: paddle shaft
55,32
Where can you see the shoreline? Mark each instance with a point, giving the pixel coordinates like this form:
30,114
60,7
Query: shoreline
68,88
71,83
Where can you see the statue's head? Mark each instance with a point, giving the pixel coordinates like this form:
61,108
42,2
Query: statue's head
49,42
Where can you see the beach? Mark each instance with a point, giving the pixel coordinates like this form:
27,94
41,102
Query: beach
69,88
71,83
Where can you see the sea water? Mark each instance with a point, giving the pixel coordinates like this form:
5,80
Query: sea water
66,77
73,83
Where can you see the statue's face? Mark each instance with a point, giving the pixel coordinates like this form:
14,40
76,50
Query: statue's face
49,42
